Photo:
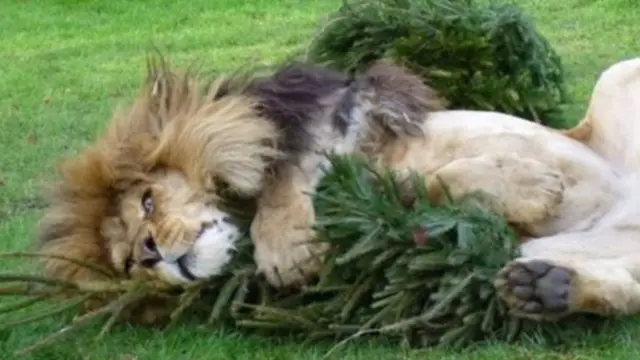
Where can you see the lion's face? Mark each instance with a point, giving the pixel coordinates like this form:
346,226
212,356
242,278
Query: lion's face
169,230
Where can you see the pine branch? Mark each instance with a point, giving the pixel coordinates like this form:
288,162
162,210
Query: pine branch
477,55
87,265
406,270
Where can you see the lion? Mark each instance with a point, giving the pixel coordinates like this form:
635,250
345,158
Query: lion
145,199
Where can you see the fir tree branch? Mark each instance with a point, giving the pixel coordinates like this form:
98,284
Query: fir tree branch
88,265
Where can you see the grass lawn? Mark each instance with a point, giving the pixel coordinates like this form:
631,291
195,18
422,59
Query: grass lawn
66,63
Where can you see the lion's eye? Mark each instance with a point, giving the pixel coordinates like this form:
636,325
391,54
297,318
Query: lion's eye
147,202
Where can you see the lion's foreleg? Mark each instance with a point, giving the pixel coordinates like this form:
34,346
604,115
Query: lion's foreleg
282,230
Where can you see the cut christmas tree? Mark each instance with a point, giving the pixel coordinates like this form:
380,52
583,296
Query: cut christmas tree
477,55
398,266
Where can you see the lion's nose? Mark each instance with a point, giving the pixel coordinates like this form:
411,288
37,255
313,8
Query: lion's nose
149,255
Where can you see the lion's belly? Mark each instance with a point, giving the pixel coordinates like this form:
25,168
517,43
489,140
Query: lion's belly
592,185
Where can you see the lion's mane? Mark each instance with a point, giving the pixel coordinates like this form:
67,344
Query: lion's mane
173,123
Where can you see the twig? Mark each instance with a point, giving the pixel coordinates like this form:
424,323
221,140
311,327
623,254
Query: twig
29,290
119,305
78,322
37,279
259,324
310,47
453,294
20,304
186,299
324,289
534,113
46,314
446,301
58,286
293,319
223,298
91,266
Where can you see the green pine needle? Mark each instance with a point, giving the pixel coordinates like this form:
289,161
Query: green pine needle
477,55
398,267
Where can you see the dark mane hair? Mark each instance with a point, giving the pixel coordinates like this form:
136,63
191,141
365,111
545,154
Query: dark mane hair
293,96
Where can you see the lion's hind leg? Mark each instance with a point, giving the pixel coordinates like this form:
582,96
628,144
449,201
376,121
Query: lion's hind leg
523,190
611,124
560,275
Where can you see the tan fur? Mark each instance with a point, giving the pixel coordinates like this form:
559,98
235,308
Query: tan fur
611,119
281,231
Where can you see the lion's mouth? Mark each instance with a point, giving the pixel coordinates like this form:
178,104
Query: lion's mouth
182,267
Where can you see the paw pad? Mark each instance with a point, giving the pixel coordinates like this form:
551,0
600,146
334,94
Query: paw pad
536,289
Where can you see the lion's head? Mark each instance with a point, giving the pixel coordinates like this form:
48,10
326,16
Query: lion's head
143,200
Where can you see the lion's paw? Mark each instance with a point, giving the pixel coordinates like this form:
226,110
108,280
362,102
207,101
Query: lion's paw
536,289
539,189
287,263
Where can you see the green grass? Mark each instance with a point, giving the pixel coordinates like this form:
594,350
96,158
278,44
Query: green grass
65,64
